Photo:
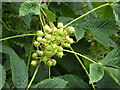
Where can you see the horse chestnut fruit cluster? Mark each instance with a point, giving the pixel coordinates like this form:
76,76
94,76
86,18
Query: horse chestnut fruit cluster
51,42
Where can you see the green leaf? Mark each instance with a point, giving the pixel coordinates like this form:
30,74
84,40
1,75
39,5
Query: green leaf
18,67
51,17
114,53
44,5
113,73
96,72
102,37
41,75
2,76
90,6
107,82
79,32
64,19
116,12
66,62
29,7
27,19
105,12
101,30
112,58
114,62
51,83
66,10
107,26
74,81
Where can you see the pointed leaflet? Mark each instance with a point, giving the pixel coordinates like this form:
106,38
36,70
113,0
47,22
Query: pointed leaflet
107,82
106,26
2,76
18,67
112,58
79,32
101,30
74,81
51,17
113,73
102,37
29,7
96,72
51,83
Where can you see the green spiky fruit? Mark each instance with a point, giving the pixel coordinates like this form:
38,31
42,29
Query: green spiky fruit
48,37
49,53
34,55
70,41
60,54
70,29
45,59
36,44
63,44
40,33
34,62
43,40
40,53
49,48
54,46
60,25
60,32
39,39
59,49
53,62
49,63
47,28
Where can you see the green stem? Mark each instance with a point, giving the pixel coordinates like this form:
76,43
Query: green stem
17,36
31,49
33,77
4,24
81,55
86,14
82,66
41,20
49,72
43,12
29,57
49,2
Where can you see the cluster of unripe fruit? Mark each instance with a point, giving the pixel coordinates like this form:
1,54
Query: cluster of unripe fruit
50,42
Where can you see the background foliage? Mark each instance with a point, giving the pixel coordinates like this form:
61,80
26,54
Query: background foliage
97,36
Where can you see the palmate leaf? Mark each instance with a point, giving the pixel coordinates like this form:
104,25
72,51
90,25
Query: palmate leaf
51,83
101,30
96,72
18,68
2,76
105,25
29,7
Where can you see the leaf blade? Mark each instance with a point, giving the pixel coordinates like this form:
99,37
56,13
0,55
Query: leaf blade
113,73
96,72
51,83
29,7
18,68
2,76
74,81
